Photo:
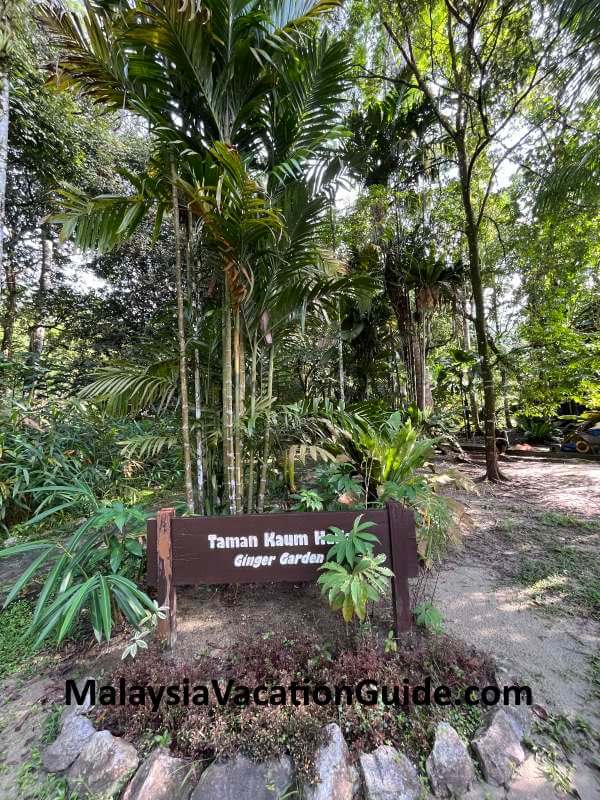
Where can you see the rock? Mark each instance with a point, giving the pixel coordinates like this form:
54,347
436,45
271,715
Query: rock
520,719
332,761
75,732
242,779
74,710
356,783
103,767
498,750
389,775
449,766
161,777
504,673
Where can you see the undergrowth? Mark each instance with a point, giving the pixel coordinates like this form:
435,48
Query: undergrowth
262,732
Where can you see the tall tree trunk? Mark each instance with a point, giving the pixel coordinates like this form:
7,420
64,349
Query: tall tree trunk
417,354
38,331
489,393
238,371
10,305
4,113
467,346
400,301
181,339
503,384
502,370
229,487
342,376
253,374
194,305
419,337
260,504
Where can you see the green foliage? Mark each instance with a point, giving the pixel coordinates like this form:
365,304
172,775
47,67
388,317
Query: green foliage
52,723
307,500
144,628
339,481
89,575
33,784
429,617
15,649
348,546
72,444
538,430
353,575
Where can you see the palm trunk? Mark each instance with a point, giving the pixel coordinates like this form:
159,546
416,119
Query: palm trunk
195,313
267,440
185,417
229,488
418,367
238,368
253,371
400,301
342,376
489,392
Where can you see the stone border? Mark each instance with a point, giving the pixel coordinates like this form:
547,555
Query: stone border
98,764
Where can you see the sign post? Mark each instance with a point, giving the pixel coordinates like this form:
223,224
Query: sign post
269,548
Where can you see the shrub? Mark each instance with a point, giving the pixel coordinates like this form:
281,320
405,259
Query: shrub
353,575
91,573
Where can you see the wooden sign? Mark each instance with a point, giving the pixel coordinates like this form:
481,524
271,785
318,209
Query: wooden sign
269,548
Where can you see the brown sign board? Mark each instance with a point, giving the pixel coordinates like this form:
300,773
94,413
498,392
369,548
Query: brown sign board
269,548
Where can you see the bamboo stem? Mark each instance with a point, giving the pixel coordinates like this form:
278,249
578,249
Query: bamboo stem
260,504
229,488
253,371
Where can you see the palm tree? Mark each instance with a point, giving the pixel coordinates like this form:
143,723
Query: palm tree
243,96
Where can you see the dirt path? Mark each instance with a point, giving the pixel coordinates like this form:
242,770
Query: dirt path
523,586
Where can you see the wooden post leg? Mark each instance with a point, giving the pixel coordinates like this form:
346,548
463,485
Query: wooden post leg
401,557
167,628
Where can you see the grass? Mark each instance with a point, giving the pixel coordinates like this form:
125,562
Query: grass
51,727
563,578
558,565
17,653
14,649
34,784
560,520
555,741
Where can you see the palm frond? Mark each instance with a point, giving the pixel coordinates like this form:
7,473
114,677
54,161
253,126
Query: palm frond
129,388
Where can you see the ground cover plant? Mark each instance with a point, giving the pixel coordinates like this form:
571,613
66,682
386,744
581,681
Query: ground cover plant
208,732
560,576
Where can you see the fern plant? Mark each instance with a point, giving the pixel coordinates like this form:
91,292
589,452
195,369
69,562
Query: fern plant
353,574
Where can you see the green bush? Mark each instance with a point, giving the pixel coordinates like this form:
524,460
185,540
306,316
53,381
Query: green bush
353,575
89,574
68,443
